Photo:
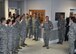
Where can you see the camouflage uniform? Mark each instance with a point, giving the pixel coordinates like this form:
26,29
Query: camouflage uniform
72,37
36,28
61,29
47,29
30,27
10,39
27,26
23,31
17,27
3,40
33,22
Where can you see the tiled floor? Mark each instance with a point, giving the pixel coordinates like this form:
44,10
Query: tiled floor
36,48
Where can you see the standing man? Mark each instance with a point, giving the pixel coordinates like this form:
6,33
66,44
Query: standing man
67,26
72,37
61,29
48,26
18,28
27,24
10,36
30,25
33,23
23,31
16,36
36,28
3,37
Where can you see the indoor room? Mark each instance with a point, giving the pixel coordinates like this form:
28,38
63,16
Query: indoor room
38,26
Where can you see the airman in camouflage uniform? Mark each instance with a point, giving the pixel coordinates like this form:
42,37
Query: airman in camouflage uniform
27,25
61,29
17,26
3,37
23,31
72,36
30,25
48,26
10,37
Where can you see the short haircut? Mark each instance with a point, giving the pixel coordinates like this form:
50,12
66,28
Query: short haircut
8,21
2,19
13,21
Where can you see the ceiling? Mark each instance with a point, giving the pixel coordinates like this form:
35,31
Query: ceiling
15,0
12,0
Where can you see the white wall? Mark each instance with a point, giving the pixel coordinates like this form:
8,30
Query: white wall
13,4
40,4
19,5
52,6
25,7
61,6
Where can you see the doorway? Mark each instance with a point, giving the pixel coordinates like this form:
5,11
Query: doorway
41,14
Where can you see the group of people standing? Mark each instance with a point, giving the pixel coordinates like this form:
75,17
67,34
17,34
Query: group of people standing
12,34
34,26
67,31
72,33
15,30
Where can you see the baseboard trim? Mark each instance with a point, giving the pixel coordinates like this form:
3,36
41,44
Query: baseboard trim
50,42
54,41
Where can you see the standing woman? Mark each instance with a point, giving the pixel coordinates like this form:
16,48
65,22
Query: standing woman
48,26
72,35
3,37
